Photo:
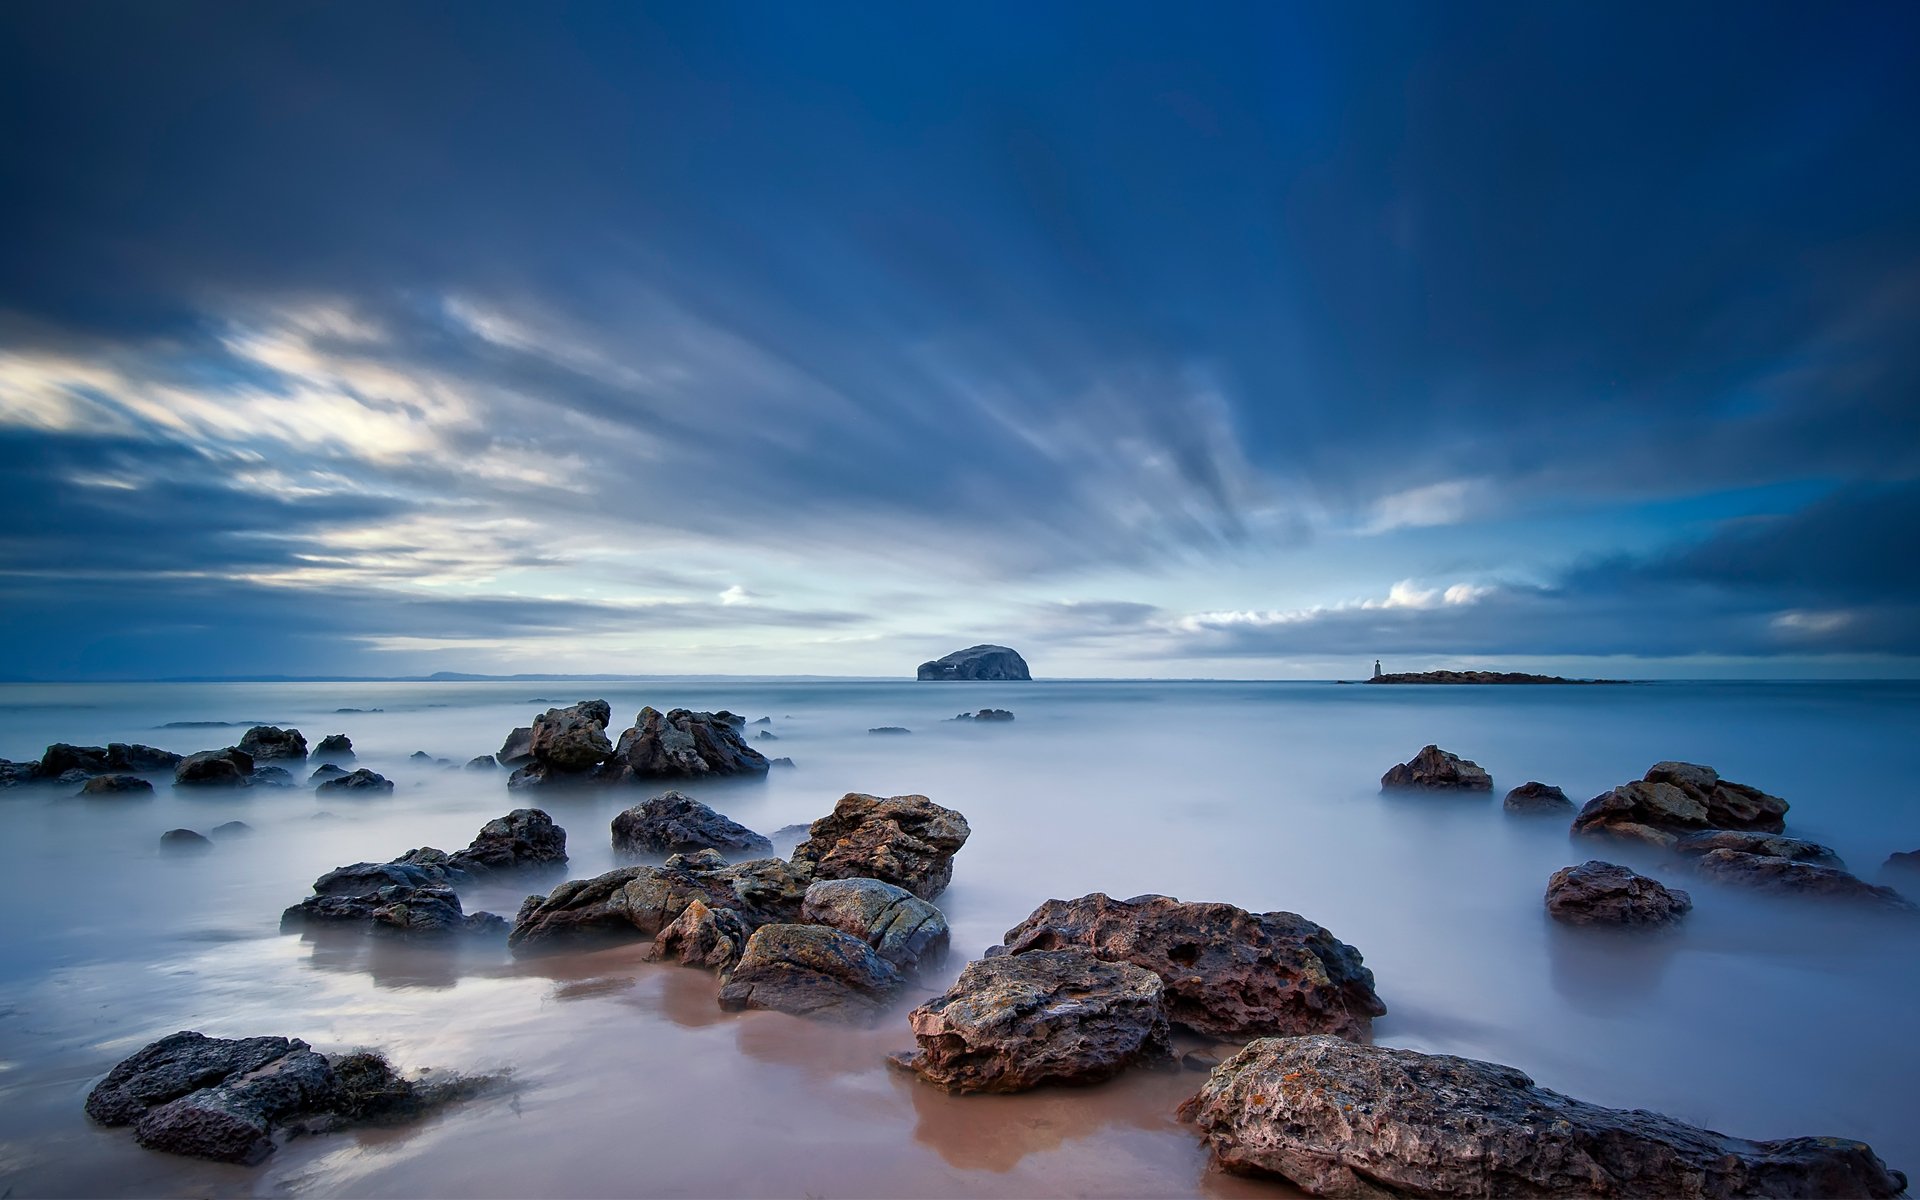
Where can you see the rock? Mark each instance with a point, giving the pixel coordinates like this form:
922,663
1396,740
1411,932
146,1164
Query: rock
266,742
1902,861
782,761
13,774
908,841
811,971
1600,893
1337,1119
672,822
1052,1016
889,729
270,777
685,745
1693,845
362,781
764,721
231,829
1230,974
325,772
702,936
174,1066
60,758
427,912
518,747
1677,798
1534,798
1772,873
183,839
525,837
214,768
902,928
1437,770
125,756
573,739
633,903
765,736
72,776
975,662
335,746
485,762
415,869
419,756
986,714
116,785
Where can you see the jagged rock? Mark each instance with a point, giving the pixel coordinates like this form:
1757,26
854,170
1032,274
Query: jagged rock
334,745
214,768
132,756
782,761
765,736
525,837
986,714
889,729
517,748
908,841
183,839
634,903
231,829
326,771
430,912
362,781
13,774
419,756
900,926
1437,770
1600,893
116,785
60,758
270,777
1693,845
975,662
1230,974
811,971
702,936
1772,873
266,742
1677,798
1053,1016
573,739
764,721
1337,1119
1537,798
484,762
672,822
685,745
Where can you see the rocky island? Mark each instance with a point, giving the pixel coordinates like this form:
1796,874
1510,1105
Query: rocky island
976,663
1479,677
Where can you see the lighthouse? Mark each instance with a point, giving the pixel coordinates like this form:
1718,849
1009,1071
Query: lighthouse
1376,668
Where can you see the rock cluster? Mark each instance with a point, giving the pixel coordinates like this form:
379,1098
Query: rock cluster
1601,893
672,822
635,903
1437,770
908,841
986,714
571,743
976,662
1677,798
811,971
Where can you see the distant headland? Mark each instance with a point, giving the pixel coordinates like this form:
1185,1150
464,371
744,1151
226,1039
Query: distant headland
976,662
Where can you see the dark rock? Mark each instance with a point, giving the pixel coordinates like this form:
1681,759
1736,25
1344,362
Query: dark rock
485,762
214,768
572,739
173,1067
1337,1119
517,748
1052,1016
684,745
975,662
61,758
13,774
362,781
1600,893
335,746
1230,974
415,869
266,742
1771,873
702,936
183,839
811,971
986,714
116,785
425,912
1677,798
1534,798
1199,1060
231,829
764,721
270,777
1693,845
71,776
671,822
325,772
634,903
1729,805
905,840
900,926
1902,862
1437,770
525,837
765,736
782,761
126,756
889,729
419,756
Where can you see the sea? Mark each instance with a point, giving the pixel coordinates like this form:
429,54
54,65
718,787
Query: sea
1760,1016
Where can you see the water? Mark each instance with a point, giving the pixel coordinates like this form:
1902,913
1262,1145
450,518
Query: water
1762,1017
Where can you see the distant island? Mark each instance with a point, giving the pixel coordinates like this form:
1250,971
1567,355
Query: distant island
1482,677
976,662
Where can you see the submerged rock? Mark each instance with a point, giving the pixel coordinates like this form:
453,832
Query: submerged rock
1772,873
634,903
1541,798
1693,845
1337,1119
1677,798
362,781
1229,973
976,662
1437,770
1902,862
1050,1017
811,971
908,841
1601,893
334,745
231,829
270,777
889,729
902,928
782,761
214,768
116,785
326,771
702,936
484,762
266,742
183,839
681,744
672,822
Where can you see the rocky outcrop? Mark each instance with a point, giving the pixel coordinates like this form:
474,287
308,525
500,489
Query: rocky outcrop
361,782
1693,845
986,714
811,971
976,662
214,768
1437,770
671,822
1050,1017
116,785
132,756
334,746
60,758
421,912
184,839
1601,893
1537,798
635,903
702,936
681,744
571,740
1336,1119
518,747
1229,973
900,926
265,742
1772,873
908,841
525,837
889,729
1677,798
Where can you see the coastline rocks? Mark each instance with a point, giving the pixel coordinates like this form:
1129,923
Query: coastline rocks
116,785
266,742
1676,798
1537,798
334,745
1229,973
1693,845
672,822
1050,1017
525,837
902,928
1437,770
975,662
1601,893
214,768
632,903
1729,805
681,744
518,747
702,936
1772,873
908,841
1337,1119
573,739
360,781
811,971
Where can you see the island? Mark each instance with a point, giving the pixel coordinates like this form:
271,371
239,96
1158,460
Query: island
1483,677
976,663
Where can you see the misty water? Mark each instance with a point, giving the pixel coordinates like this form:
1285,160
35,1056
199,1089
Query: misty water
1761,1017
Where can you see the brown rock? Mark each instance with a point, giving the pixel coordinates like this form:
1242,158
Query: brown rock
702,936
1437,770
1601,893
1537,798
908,841
811,971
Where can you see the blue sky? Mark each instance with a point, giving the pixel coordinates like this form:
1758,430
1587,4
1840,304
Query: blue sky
1249,341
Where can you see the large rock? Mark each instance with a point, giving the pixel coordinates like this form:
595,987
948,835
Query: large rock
265,742
421,912
702,936
60,758
1772,873
116,785
976,662
334,746
571,740
908,841
900,926
1437,770
1229,973
1601,893
634,903
1693,845
525,837
811,971
671,822
132,756
1677,798
1541,798
686,745
1337,1119
214,768
1052,1016
518,747
362,782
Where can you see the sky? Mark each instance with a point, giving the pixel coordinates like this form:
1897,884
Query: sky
1221,340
